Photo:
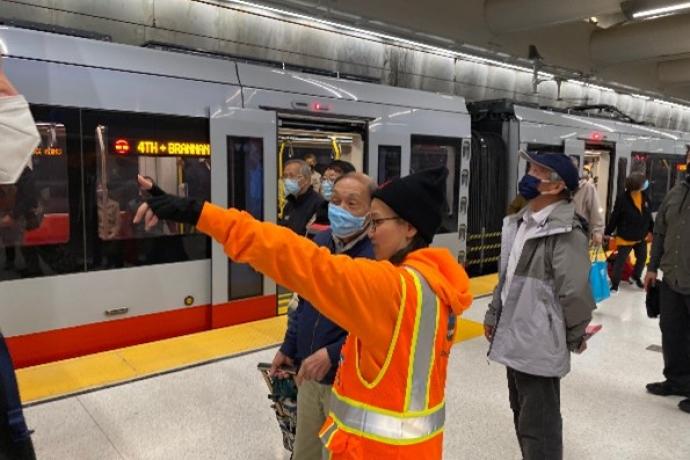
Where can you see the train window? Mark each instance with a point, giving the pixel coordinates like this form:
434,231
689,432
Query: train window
659,175
390,159
245,192
622,173
428,152
38,213
172,151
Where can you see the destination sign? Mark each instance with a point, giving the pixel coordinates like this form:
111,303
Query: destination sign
162,148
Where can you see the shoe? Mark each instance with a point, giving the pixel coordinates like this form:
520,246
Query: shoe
684,405
666,389
614,288
637,281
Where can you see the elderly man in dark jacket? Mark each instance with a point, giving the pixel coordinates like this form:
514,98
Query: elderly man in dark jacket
671,254
312,341
302,200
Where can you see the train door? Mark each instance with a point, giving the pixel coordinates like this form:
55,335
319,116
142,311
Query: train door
406,141
662,171
243,142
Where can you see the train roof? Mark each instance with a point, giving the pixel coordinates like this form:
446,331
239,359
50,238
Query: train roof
65,49
572,118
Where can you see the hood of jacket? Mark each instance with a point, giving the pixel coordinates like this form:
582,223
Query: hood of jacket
444,275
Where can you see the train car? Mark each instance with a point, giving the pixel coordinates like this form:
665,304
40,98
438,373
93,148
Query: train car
605,143
77,277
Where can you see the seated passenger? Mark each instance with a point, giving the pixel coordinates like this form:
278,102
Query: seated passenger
312,341
302,200
398,310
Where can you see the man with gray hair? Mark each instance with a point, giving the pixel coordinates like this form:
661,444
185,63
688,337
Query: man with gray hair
302,200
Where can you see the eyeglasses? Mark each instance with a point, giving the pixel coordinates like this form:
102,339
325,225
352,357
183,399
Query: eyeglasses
376,222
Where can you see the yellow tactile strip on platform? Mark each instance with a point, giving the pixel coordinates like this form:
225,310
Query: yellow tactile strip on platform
61,378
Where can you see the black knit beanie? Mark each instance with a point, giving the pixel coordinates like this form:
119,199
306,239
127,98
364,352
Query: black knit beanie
418,199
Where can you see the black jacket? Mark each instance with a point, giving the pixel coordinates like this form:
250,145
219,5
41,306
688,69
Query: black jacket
627,221
299,211
308,331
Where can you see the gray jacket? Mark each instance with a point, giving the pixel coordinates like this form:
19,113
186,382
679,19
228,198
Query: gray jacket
671,243
549,302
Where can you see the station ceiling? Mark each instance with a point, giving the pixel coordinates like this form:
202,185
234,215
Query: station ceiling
640,43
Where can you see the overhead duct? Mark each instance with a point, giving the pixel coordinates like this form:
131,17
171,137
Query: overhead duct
666,36
504,16
674,72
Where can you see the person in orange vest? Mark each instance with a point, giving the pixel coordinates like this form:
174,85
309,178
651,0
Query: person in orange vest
388,399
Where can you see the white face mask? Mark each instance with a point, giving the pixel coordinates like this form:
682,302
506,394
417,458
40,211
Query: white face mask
18,137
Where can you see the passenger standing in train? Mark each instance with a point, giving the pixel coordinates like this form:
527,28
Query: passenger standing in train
400,310
632,222
586,200
542,304
18,139
310,159
312,341
671,254
302,200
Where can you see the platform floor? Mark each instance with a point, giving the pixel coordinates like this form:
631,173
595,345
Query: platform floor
220,411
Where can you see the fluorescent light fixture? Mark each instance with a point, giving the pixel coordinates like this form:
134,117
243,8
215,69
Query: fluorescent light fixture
661,10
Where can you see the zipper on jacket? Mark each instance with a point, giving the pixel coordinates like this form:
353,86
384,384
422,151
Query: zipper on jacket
313,334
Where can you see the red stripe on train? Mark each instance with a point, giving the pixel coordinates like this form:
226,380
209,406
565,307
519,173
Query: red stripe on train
44,347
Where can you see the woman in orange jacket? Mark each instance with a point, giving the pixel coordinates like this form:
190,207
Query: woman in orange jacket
400,310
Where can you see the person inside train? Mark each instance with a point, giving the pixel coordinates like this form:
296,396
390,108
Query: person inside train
334,170
632,223
302,200
586,200
312,341
315,176
671,255
398,310
19,137
543,303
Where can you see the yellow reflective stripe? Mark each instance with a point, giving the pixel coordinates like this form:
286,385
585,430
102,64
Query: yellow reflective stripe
413,345
379,410
422,348
327,435
391,346
432,361
383,439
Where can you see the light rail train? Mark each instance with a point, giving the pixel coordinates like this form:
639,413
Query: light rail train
77,277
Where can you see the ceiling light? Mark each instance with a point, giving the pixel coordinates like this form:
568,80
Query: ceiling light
661,10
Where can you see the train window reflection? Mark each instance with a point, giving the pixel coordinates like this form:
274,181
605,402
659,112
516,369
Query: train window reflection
175,153
389,163
428,152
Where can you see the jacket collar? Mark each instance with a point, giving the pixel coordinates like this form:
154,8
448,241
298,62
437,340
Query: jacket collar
561,219
303,197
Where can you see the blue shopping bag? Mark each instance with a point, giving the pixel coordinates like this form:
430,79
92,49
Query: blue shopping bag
599,280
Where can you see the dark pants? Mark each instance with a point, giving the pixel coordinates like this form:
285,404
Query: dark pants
536,405
623,253
674,320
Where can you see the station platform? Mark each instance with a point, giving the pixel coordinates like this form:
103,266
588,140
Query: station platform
215,407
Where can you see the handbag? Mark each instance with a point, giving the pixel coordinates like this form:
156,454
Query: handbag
598,279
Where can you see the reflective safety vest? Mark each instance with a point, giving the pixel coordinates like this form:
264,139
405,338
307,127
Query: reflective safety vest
399,414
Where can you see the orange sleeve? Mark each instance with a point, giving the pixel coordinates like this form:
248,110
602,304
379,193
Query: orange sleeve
362,296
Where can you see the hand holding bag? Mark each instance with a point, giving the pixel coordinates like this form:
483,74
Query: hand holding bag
598,279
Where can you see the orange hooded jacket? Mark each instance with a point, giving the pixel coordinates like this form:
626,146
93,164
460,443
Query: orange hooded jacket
362,296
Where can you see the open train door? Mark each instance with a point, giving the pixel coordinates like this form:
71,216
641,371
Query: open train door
243,155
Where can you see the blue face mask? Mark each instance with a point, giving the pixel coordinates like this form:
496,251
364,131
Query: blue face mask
529,187
645,186
344,224
327,189
291,186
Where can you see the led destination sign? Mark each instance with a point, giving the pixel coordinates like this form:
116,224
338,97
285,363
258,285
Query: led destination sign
162,148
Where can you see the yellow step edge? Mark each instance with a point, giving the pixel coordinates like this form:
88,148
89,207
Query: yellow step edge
69,376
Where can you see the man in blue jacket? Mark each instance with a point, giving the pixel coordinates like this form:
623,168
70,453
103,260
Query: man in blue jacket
312,341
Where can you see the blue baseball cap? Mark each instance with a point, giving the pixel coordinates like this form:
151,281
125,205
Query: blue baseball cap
557,162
